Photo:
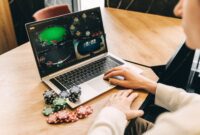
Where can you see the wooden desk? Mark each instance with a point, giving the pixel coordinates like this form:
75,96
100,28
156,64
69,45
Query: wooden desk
142,37
146,39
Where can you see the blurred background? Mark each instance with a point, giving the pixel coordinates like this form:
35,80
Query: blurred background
22,11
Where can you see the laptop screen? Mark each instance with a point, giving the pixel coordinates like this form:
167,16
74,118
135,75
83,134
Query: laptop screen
66,40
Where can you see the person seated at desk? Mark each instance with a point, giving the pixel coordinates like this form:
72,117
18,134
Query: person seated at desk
185,107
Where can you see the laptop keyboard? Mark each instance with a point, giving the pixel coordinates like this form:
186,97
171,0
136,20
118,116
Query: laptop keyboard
85,73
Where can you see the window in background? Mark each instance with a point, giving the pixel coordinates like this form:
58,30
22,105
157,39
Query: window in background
77,5
87,4
58,2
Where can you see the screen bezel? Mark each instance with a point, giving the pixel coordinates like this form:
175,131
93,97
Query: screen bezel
28,25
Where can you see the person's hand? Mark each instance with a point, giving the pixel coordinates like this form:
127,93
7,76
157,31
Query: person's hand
178,10
122,101
132,80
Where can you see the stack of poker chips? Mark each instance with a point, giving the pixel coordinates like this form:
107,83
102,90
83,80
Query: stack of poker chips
57,105
59,102
75,93
64,94
83,111
49,96
68,117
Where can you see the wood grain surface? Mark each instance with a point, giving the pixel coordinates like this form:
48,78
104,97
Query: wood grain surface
140,37
143,38
7,34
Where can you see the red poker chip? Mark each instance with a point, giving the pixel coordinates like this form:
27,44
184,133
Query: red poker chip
83,111
62,115
89,110
72,117
52,119
68,117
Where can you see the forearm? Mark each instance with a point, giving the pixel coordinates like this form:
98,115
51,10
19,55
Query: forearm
173,98
169,97
150,86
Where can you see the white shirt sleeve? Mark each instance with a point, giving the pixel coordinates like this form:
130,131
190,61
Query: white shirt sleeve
172,98
185,116
110,121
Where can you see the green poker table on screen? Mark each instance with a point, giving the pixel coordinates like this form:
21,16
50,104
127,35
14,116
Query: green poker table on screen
53,35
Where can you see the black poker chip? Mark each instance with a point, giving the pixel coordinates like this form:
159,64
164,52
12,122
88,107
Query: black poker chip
49,96
75,90
73,99
75,93
59,102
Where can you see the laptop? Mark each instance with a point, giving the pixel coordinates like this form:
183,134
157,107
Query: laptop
71,50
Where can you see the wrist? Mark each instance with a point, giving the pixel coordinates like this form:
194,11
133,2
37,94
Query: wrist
150,86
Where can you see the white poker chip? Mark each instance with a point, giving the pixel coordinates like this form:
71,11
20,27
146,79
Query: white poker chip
76,19
84,16
87,33
72,27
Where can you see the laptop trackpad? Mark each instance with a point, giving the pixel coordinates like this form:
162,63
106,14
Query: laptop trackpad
99,84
